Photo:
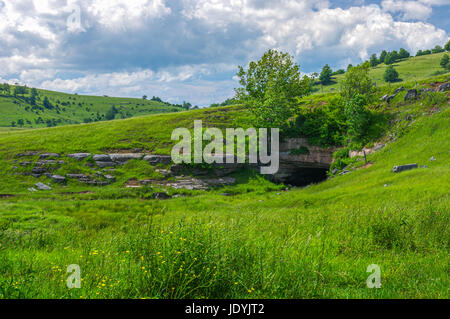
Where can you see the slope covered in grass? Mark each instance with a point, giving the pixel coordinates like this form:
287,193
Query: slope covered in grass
410,69
72,108
259,241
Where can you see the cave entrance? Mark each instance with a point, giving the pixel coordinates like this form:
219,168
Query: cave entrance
305,176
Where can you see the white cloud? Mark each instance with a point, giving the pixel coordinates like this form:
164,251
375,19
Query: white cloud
150,46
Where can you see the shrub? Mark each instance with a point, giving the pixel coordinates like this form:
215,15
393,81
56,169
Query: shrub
390,75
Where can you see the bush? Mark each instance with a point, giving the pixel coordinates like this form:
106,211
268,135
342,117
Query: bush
444,61
390,75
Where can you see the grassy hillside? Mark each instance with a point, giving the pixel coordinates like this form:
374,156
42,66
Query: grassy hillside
71,108
258,241
411,69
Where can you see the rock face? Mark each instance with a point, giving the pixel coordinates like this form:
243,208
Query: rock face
79,156
158,159
101,158
302,169
401,168
123,158
58,179
296,168
47,155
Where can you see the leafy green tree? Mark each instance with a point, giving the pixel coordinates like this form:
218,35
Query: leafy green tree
437,49
325,75
447,46
144,97
20,122
373,60
270,88
444,61
47,103
391,74
383,56
13,124
111,113
419,53
390,58
403,54
20,90
358,118
357,81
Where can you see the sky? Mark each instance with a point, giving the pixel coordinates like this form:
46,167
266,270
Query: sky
189,50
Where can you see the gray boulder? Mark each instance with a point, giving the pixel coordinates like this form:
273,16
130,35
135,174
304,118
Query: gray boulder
47,155
123,158
101,158
401,168
29,153
444,87
105,164
79,156
398,90
411,95
42,187
58,179
158,159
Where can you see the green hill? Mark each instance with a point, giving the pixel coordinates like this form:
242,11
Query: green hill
249,240
411,69
64,109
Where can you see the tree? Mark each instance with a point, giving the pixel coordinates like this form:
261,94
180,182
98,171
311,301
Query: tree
444,61
20,90
447,46
357,81
270,88
144,97
419,53
437,49
325,75
383,56
111,113
390,58
373,60
390,75
358,117
47,103
20,122
403,54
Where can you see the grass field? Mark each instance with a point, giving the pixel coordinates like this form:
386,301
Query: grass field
411,69
73,108
261,242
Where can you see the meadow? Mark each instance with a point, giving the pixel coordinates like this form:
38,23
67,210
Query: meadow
72,108
255,239
410,69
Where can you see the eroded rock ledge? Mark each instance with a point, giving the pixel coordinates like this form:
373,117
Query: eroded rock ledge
300,164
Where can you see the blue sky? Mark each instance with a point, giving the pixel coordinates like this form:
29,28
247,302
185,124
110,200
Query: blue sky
190,49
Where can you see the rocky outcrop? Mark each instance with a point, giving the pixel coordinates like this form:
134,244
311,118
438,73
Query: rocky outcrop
444,87
79,156
411,95
158,159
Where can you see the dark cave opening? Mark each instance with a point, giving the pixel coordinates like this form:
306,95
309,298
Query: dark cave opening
306,176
